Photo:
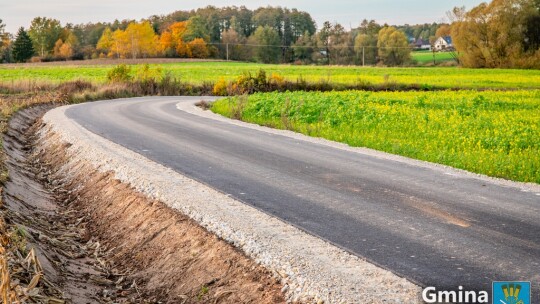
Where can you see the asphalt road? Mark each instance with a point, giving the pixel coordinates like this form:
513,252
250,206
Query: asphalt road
432,227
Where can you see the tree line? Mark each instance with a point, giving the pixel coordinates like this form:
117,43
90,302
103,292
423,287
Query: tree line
503,33
267,34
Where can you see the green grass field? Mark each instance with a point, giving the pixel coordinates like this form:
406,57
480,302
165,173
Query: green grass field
198,72
426,57
493,133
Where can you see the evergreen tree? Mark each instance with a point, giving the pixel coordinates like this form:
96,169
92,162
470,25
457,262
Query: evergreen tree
22,47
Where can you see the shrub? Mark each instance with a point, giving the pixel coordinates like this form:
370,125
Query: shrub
220,88
249,84
120,73
276,79
145,73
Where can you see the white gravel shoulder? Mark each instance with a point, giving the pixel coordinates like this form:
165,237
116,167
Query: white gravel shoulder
311,269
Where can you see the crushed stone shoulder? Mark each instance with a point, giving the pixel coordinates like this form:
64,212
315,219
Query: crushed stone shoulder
311,269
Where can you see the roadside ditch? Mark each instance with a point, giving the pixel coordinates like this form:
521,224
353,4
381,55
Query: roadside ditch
82,236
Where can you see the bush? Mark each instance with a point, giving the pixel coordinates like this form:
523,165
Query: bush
146,74
120,73
249,84
220,88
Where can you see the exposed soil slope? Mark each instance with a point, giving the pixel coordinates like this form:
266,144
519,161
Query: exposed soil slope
97,240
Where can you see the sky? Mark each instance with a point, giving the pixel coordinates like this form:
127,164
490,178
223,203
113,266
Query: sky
17,13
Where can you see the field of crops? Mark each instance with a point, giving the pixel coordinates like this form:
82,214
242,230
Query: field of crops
425,57
493,133
198,72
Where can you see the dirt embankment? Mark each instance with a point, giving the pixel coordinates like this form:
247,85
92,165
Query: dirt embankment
97,241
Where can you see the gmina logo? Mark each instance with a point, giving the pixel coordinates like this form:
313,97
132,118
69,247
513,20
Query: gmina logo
432,295
502,293
512,292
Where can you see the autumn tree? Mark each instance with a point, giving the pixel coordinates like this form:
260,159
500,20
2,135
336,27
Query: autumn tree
69,37
106,43
57,46
496,35
165,44
44,33
171,41
22,47
443,31
198,48
142,40
121,45
139,39
393,46
63,50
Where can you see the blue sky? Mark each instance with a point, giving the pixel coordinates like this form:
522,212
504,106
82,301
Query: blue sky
347,12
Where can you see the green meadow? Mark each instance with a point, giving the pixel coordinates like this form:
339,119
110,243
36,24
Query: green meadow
427,57
199,72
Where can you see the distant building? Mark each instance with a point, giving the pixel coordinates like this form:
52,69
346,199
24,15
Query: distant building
421,44
444,44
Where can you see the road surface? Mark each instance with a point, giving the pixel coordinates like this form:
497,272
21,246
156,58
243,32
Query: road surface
435,227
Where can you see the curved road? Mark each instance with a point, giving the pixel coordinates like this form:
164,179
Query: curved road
436,228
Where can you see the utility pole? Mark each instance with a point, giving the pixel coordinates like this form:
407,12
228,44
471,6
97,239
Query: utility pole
227,46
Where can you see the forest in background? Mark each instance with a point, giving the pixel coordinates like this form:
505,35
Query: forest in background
503,33
267,34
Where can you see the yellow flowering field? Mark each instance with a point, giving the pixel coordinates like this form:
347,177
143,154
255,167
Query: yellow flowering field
491,132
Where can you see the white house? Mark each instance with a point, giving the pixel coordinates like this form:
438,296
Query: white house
444,44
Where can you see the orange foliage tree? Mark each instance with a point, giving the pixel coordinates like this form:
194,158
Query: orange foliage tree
174,42
198,48
63,49
138,40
